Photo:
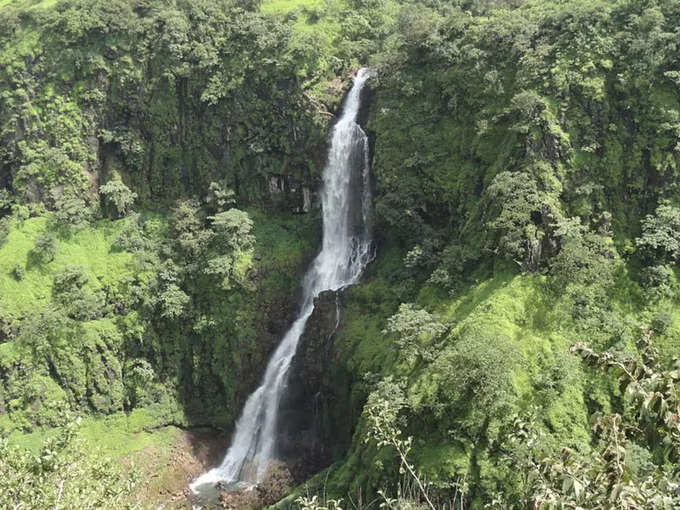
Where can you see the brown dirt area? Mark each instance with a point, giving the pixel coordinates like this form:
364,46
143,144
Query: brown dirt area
167,471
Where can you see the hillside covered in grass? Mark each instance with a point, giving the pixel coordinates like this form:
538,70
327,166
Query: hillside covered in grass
513,345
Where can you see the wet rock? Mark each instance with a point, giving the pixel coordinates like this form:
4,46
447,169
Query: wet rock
278,480
316,345
304,411
288,193
276,483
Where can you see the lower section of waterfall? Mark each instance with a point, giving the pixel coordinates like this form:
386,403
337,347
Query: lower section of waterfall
345,251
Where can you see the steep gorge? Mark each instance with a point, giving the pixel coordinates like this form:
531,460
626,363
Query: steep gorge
158,170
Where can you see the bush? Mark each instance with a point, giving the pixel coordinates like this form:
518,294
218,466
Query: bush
660,238
45,248
657,281
72,213
69,291
18,272
4,230
584,258
118,197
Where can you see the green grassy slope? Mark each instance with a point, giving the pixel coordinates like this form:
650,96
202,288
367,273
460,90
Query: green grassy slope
90,248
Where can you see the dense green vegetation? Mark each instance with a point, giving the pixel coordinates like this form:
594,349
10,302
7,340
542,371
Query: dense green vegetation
526,197
154,157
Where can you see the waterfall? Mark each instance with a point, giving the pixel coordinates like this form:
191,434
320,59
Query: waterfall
345,251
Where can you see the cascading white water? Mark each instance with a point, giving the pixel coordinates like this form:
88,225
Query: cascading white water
345,251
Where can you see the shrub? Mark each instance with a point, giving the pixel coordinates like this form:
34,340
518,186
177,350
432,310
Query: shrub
18,272
657,281
45,248
69,291
72,213
4,230
118,197
660,238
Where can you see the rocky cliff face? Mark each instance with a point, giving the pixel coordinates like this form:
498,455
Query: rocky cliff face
305,412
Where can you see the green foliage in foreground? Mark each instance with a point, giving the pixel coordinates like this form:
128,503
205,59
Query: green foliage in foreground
64,473
634,460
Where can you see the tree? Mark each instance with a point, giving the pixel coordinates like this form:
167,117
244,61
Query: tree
660,238
69,290
658,282
233,230
70,279
518,208
140,379
71,213
118,197
219,197
187,223
478,368
45,248
584,257
415,329
232,241
173,301
42,331
133,238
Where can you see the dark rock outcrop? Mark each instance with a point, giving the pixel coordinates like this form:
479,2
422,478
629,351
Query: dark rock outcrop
304,412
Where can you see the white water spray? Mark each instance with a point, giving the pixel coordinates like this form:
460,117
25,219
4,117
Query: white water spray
345,251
